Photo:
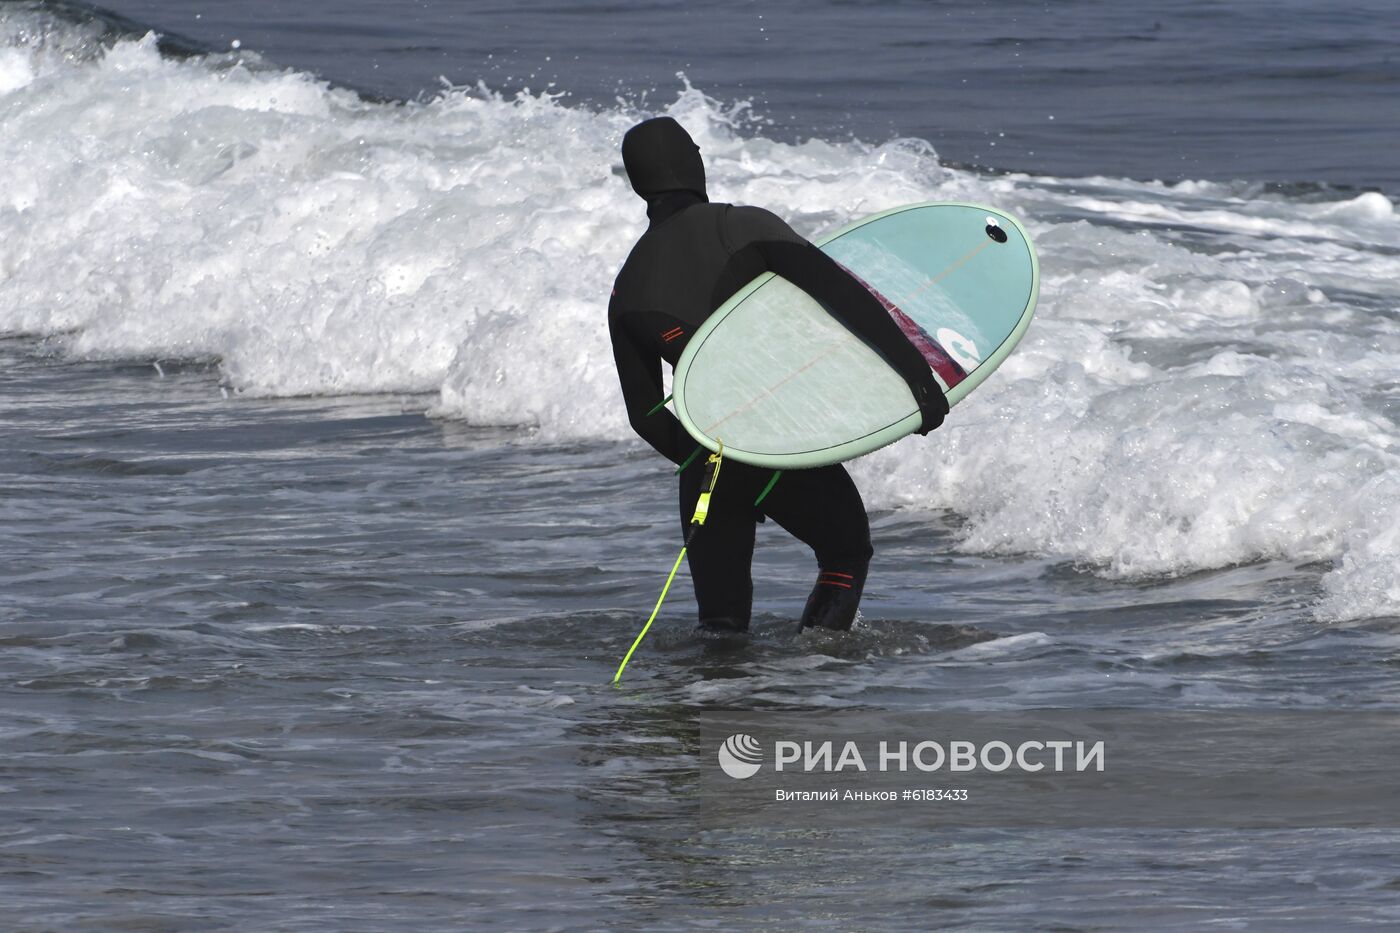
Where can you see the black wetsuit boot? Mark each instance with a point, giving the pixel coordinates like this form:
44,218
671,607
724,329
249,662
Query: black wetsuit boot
835,598
723,625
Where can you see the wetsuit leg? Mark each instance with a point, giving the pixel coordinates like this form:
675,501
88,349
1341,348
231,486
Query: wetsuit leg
720,554
822,508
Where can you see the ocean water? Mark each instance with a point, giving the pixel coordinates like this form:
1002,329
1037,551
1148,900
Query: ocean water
322,529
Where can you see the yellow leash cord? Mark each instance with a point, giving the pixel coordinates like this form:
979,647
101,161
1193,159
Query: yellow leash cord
643,633
702,511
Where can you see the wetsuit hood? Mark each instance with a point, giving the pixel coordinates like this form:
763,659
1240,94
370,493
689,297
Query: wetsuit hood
660,158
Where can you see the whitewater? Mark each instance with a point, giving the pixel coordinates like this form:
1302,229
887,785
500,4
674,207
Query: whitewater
1210,379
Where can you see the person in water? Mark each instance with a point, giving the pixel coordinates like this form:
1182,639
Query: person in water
693,256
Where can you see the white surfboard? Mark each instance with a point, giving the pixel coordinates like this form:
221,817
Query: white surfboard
784,385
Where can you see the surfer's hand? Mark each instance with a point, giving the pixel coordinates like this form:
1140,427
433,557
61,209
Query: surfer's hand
933,405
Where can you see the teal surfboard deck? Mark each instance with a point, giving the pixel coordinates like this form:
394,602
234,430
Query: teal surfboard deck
784,385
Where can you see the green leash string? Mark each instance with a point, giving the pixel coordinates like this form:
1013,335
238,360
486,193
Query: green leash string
694,453
769,488
702,511
691,459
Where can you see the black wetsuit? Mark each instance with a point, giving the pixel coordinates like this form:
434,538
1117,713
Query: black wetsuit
692,258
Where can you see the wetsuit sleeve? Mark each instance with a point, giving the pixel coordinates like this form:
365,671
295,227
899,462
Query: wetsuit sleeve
639,371
782,251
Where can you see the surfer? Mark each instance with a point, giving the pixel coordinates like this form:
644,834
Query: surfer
692,258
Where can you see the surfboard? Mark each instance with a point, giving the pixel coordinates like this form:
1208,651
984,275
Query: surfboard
783,384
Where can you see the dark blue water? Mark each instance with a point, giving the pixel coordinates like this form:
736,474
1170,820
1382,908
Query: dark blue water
1288,91
329,665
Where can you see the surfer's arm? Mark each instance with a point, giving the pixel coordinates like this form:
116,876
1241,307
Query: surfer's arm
639,371
784,252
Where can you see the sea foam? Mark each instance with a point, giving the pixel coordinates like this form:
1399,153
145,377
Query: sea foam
1210,379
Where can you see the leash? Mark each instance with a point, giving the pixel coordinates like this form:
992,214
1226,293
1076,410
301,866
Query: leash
702,511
